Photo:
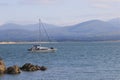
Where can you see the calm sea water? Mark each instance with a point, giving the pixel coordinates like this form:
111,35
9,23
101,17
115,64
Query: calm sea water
72,61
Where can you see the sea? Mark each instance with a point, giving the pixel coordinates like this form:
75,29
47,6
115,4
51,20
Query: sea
71,61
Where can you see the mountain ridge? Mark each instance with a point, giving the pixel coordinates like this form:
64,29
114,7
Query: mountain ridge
92,30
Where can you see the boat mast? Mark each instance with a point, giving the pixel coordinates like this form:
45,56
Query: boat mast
42,26
40,35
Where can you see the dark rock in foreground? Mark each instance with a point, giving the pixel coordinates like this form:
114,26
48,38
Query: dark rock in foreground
13,70
17,70
31,67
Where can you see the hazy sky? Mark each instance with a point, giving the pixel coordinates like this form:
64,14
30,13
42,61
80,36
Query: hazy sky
60,12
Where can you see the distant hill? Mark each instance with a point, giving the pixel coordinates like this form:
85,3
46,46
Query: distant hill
93,30
31,27
115,22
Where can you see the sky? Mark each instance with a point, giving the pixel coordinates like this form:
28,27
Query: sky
58,12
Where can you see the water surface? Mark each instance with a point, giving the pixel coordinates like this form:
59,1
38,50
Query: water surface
72,61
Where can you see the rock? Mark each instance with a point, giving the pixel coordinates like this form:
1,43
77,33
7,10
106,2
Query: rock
16,70
37,67
13,70
30,67
43,68
27,67
2,66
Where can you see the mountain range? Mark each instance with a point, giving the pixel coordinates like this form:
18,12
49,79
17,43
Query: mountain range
92,30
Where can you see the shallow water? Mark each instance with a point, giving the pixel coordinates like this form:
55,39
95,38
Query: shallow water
72,61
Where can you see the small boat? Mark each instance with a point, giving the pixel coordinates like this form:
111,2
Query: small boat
39,47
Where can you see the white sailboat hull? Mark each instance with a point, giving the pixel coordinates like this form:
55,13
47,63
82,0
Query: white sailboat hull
49,50
42,49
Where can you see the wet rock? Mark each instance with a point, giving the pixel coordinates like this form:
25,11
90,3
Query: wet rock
31,67
28,67
2,67
43,68
13,70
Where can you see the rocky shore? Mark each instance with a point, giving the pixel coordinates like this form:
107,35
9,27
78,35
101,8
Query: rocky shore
2,67
17,70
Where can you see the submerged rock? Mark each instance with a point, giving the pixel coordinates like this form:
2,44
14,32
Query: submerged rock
2,67
13,70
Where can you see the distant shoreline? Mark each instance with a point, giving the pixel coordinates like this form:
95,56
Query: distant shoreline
24,42
52,42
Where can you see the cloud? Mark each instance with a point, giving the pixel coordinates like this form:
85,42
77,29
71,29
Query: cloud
4,4
27,2
104,4
106,1
8,2
37,2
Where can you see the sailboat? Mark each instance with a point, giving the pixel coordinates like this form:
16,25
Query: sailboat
39,47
